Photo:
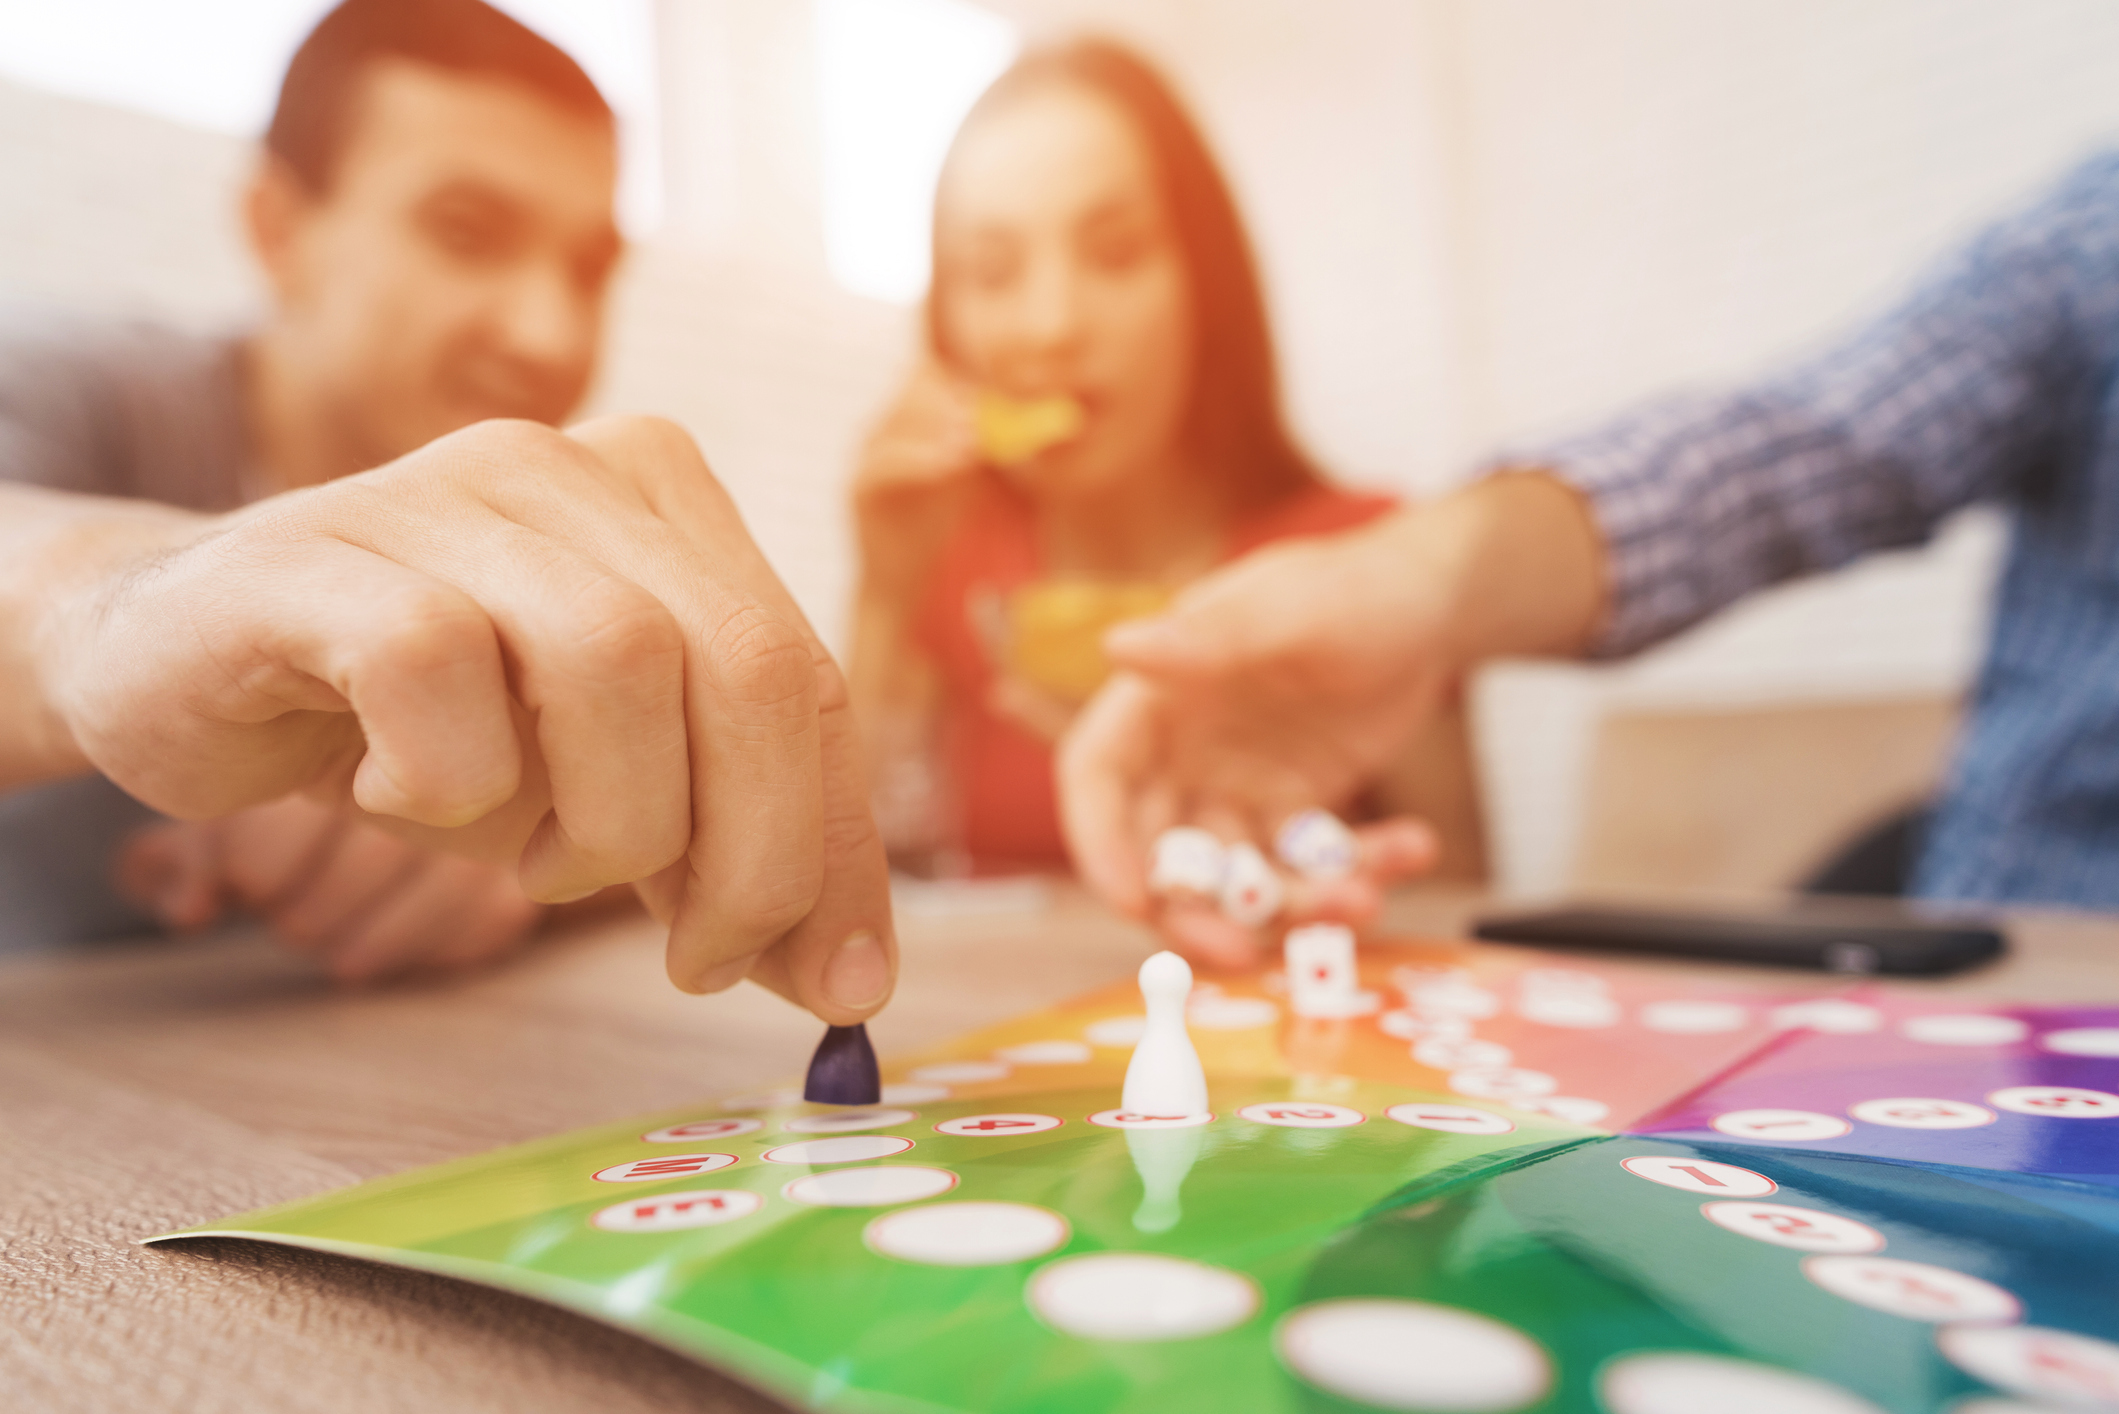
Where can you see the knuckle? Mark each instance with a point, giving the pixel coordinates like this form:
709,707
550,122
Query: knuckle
422,629
761,663
622,631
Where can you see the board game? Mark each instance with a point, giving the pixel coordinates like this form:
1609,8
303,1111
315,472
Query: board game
1492,1181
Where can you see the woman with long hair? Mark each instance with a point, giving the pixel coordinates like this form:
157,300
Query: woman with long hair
1095,421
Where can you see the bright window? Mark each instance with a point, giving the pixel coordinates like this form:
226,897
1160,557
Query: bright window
894,78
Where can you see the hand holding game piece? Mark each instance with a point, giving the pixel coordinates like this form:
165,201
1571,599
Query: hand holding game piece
844,1071
559,651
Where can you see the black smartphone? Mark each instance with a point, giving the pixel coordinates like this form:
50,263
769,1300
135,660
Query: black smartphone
1820,936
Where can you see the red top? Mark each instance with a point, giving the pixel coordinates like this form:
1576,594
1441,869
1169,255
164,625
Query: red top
1001,773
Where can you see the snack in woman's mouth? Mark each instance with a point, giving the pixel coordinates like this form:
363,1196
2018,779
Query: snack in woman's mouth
1013,430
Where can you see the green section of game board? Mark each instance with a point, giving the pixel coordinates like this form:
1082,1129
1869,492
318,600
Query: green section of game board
792,1298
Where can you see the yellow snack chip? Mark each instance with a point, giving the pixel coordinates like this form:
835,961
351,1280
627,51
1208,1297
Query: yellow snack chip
1056,630
1012,431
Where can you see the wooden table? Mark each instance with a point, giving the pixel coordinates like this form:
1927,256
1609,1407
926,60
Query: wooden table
147,1087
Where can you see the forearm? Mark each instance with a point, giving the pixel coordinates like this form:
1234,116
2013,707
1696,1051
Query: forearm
55,550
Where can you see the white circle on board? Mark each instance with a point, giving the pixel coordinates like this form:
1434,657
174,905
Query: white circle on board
2075,1371
1804,1229
964,1072
1450,1119
700,1129
1964,1029
1045,1053
1502,1083
1456,998
969,1234
2056,1102
1461,1053
1412,1355
1216,1013
1126,1119
1694,1018
1412,1026
1683,1382
878,1187
913,1094
1827,1014
2100,1041
765,1100
1571,1109
846,1121
1914,1290
666,1167
675,1212
1302,1114
1922,1113
1575,1011
844,1149
1116,1031
1137,1296
1699,1175
998,1126
1793,1126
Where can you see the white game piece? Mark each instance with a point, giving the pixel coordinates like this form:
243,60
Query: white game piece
1323,980
1189,859
1964,1029
2077,1371
1302,1114
1804,1229
674,1212
2082,1041
1117,1031
1163,1158
1136,1296
969,1234
1693,1018
1317,845
966,1072
700,1129
843,1149
2056,1102
1827,1014
882,1186
1450,1119
1684,1382
662,1169
1164,1078
1045,1053
1251,892
1699,1175
1922,1114
1791,1125
1010,1125
1396,1354
1502,1082
1914,1290
846,1121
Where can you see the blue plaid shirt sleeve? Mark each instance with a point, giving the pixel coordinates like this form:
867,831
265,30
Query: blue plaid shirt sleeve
1946,400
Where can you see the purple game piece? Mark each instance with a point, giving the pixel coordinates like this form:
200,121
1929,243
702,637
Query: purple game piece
843,1072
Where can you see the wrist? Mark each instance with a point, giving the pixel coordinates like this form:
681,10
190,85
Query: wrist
1519,563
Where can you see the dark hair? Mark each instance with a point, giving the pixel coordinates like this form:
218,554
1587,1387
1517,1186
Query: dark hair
321,91
1235,422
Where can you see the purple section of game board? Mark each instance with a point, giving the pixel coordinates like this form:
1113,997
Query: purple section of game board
1834,1075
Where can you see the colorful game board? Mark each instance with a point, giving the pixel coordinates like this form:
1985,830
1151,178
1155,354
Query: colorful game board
1510,1184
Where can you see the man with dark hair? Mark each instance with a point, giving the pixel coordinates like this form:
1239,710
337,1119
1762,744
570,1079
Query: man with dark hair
508,641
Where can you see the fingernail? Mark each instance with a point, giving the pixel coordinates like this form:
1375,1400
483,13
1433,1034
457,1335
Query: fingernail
858,974
727,975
